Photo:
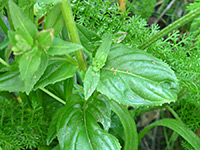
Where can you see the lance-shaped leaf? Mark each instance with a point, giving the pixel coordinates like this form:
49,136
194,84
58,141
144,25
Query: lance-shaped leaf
44,38
102,53
11,80
52,128
134,77
58,69
90,82
54,20
20,21
77,128
61,47
32,65
87,37
178,127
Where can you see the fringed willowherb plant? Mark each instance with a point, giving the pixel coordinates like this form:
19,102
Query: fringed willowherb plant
116,75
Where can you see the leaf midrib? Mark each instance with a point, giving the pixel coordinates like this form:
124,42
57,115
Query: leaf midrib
119,71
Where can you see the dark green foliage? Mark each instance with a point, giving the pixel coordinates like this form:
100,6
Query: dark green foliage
143,8
105,19
22,122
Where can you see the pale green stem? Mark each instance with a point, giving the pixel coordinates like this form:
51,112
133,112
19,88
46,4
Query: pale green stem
178,23
73,33
4,63
53,95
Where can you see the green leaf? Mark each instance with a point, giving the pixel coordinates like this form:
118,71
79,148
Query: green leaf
54,20
44,38
90,82
102,53
68,88
58,69
130,130
49,1
104,48
11,36
78,129
20,21
87,37
134,77
32,65
11,80
52,128
61,47
23,37
178,127
20,45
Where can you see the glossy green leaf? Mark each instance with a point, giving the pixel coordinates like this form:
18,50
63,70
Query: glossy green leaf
44,38
87,37
20,21
58,69
11,80
78,129
68,88
134,77
54,20
178,127
32,65
130,130
52,128
61,47
90,82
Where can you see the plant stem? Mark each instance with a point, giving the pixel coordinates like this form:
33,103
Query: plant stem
130,130
53,95
3,62
4,27
73,33
174,113
180,22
